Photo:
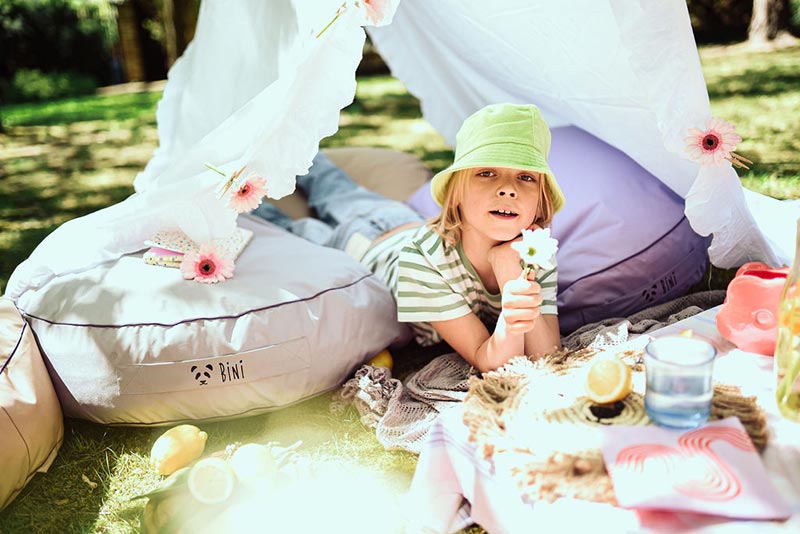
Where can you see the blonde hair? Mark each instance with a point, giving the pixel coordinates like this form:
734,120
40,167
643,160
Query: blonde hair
448,223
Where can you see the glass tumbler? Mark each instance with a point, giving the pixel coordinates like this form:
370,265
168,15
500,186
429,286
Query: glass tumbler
679,381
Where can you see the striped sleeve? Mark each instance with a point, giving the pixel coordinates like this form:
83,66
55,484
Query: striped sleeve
424,284
548,279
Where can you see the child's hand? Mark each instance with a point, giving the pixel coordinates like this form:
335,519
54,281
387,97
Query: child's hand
522,302
505,260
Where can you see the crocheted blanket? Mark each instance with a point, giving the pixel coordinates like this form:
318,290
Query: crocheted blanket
402,413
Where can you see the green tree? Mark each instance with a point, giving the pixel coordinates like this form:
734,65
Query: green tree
56,36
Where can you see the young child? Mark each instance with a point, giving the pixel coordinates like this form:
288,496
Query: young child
455,278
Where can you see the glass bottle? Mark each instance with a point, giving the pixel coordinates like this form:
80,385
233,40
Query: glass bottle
787,347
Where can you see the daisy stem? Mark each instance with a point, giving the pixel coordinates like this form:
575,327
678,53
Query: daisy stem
210,166
527,270
338,12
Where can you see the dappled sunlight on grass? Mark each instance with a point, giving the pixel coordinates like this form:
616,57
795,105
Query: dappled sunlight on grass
137,106
64,501
751,73
375,87
56,172
781,188
123,475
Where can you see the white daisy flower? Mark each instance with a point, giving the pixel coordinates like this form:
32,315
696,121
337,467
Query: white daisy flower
537,248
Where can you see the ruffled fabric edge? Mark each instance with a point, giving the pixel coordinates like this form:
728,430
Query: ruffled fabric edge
715,202
280,150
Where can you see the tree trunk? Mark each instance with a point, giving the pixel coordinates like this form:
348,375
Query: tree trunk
131,49
770,18
170,37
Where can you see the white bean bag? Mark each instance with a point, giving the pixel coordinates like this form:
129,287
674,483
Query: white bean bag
31,423
130,343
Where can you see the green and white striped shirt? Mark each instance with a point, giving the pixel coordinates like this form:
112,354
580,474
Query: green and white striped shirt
434,282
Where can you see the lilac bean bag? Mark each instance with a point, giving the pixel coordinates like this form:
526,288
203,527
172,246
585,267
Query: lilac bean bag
624,242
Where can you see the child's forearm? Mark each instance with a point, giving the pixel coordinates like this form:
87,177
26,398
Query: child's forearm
498,348
544,338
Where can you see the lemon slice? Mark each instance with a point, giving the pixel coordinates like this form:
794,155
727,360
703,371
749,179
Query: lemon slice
608,379
211,481
382,359
253,464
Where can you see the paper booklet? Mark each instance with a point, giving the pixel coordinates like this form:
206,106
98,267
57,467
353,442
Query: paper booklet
714,469
167,248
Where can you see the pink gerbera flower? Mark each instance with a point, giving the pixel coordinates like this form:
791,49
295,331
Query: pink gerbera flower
715,145
206,265
248,195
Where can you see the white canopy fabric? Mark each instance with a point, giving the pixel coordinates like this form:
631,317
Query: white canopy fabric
259,87
626,72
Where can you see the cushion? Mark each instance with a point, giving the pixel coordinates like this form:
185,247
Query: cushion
624,242
394,174
31,423
130,343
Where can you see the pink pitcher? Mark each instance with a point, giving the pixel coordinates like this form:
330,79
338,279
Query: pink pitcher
749,315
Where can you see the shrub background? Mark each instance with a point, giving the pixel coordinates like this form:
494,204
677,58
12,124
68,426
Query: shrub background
59,43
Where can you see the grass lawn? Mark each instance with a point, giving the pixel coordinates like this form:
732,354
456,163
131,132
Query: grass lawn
61,160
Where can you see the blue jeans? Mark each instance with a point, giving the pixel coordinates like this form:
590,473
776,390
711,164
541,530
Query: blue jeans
343,208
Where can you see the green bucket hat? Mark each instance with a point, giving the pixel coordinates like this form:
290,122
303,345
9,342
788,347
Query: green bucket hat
502,135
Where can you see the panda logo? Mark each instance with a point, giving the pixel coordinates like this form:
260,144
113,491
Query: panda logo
650,294
199,373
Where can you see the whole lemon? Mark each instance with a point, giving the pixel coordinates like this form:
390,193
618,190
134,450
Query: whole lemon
176,448
382,359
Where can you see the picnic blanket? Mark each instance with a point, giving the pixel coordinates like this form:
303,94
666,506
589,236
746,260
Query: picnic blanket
402,413
533,420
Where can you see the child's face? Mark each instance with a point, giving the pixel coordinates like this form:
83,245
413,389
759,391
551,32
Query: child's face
500,202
